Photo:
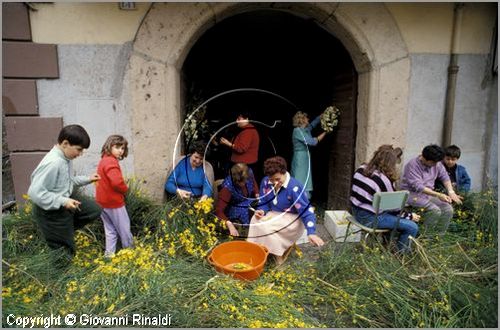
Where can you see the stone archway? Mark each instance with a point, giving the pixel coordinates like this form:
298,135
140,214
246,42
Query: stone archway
294,58
169,30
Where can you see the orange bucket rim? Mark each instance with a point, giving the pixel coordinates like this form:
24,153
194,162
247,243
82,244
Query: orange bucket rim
261,264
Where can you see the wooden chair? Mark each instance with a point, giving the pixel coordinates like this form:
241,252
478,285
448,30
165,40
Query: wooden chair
382,201
216,186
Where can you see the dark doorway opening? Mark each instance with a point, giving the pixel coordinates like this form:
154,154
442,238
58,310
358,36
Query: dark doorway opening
287,56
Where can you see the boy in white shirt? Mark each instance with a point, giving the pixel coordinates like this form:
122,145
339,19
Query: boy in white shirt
56,210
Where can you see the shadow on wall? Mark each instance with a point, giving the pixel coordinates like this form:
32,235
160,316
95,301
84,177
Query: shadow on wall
7,183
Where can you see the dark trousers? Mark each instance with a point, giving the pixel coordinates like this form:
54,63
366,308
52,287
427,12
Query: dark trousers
58,226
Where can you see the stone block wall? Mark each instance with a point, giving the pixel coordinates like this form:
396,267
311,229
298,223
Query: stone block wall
28,136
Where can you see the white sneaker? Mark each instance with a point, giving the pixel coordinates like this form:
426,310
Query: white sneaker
109,255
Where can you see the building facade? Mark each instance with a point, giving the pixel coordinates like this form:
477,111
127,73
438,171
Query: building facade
407,74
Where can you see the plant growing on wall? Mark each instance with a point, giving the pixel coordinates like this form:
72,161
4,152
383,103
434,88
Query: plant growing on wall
195,124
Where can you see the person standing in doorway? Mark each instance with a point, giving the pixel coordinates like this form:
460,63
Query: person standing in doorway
302,139
245,146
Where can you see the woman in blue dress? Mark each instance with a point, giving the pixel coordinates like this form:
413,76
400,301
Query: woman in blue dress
283,213
189,177
302,139
238,191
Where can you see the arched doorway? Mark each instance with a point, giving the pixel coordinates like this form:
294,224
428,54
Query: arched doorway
170,30
289,56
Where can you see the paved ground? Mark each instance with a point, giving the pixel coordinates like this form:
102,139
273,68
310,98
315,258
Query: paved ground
310,251
322,232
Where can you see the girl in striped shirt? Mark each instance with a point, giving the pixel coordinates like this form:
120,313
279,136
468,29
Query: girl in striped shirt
377,176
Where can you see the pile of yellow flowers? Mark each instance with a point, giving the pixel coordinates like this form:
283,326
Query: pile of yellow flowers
204,206
142,258
86,250
187,228
31,293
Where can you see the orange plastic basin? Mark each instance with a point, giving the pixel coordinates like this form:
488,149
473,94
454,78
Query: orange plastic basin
225,255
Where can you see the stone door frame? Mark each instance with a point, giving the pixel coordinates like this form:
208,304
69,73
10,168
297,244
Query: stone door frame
169,30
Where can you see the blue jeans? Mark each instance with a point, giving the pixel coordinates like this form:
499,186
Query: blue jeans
388,221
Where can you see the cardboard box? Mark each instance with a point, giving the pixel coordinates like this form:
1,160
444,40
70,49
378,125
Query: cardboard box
336,223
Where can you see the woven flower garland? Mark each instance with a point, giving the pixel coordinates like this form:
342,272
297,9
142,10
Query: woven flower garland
330,118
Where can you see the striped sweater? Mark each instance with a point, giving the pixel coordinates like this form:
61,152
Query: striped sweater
363,188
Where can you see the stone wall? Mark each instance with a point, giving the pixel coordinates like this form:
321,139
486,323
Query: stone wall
426,109
130,80
27,136
91,91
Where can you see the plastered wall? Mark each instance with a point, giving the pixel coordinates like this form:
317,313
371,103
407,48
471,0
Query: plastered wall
425,27
104,60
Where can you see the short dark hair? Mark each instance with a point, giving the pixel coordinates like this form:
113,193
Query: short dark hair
433,152
115,140
274,165
198,147
243,113
452,151
76,135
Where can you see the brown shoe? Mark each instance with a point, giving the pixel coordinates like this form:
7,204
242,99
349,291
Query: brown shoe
281,259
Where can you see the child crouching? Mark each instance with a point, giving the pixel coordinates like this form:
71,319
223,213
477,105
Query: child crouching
57,209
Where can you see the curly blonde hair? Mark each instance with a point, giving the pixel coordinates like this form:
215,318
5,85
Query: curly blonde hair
299,119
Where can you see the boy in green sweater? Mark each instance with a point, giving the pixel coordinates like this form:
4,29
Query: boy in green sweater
56,209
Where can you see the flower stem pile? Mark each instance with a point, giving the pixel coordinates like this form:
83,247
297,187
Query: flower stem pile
448,281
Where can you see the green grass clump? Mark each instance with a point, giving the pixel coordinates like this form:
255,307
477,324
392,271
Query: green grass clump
448,281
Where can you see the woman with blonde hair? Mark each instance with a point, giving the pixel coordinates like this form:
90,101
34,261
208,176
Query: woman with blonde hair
302,139
239,189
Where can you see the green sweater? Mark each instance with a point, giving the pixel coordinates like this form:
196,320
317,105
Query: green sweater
52,181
